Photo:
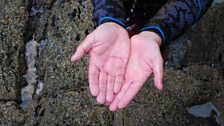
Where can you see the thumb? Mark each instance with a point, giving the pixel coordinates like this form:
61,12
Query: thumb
158,75
83,48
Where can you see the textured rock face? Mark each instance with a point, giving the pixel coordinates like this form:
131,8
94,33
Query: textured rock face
65,27
13,18
207,43
65,99
58,26
10,114
183,88
203,43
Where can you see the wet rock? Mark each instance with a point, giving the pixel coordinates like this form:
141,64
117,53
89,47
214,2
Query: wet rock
57,36
69,108
207,110
13,18
207,45
169,107
53,63
202,43
11,115
176,51
39,11
65,98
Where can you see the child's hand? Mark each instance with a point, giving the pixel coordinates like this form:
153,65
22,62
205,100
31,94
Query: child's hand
145,59
109,48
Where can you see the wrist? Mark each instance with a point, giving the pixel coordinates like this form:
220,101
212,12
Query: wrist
152,36
114,25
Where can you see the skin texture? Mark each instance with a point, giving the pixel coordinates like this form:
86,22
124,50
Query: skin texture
109,49
145,60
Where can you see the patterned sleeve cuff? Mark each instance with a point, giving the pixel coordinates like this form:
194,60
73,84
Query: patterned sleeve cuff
111,19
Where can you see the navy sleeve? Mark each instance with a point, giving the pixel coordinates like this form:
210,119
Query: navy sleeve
109,11
175,17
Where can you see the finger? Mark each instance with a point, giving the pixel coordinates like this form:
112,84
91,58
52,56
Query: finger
118,83
114,104
110,88
130,93
101,98
93,79
158,75
83,48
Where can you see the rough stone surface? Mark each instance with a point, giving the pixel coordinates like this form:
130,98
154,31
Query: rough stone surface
13,18
63,31
190,86
68,108
10,114
203,43
196,75
65,99
207,44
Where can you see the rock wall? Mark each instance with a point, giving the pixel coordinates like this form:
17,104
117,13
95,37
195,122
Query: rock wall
13,19
193,71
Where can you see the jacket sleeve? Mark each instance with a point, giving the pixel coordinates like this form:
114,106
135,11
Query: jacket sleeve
175,17
109,11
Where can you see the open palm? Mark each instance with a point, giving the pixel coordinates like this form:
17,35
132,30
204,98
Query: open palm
145,59
109,48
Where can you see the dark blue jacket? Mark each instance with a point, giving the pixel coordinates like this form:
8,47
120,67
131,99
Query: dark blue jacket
168,18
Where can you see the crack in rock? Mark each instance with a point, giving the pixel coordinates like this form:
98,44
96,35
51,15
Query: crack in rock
31,75
35,11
